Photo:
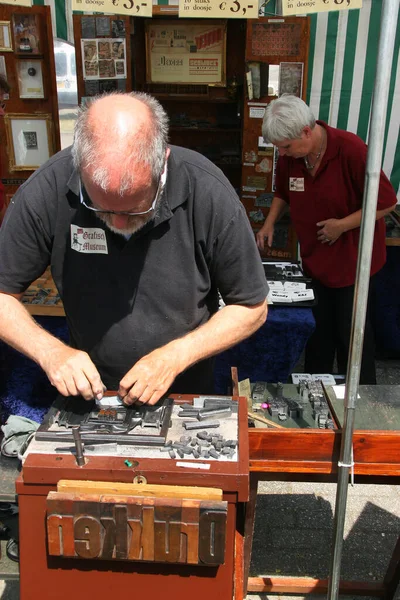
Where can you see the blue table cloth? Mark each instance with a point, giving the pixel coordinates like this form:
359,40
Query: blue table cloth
271,353
268,355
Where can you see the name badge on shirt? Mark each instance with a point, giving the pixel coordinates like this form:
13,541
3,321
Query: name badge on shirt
296,184
88,240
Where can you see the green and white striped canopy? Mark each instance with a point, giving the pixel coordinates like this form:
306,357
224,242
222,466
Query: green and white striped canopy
342,61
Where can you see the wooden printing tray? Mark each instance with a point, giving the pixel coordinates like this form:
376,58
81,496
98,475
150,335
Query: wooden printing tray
49,305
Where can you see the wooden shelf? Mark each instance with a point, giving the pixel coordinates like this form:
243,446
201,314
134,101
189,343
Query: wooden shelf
195,97
49,311
394,241
165,10
207,129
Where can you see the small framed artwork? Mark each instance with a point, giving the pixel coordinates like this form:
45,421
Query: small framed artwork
29,140
291,78
104,58
26,32
30,78
5,37
191,52
3,71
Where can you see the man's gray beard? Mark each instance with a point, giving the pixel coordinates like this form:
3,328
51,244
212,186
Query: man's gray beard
135,224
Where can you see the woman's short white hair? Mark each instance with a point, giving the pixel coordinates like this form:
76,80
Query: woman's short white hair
285,119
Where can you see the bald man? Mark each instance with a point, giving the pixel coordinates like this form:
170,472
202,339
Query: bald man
141,237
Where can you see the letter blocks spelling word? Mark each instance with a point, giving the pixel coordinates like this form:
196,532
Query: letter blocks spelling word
171,530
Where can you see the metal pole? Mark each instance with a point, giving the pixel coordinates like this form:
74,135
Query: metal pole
376,135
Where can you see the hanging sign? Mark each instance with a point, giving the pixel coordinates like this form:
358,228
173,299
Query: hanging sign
133,8
300,7
228,9
17,2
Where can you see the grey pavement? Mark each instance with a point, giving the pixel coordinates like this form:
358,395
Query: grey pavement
294,526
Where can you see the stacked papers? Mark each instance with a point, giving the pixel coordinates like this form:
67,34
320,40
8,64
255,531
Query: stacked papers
289,291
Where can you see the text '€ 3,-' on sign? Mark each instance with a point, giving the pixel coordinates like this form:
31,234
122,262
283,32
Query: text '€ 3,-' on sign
227,9
134,8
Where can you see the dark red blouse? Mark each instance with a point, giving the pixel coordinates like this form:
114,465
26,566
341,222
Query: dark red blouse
336,191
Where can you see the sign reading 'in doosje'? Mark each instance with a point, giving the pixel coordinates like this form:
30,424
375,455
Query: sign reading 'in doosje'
227,9
299,7
134,8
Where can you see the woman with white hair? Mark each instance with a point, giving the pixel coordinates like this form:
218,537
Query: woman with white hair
320,175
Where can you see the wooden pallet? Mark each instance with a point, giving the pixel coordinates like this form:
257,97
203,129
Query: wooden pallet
42,298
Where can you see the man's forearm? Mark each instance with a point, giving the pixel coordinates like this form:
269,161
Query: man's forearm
227,327
19,330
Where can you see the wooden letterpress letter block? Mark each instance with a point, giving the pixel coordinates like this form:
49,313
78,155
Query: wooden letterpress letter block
109,536
212,536
135,529
121,514
87,537
60,535
148,532
190,532
167,531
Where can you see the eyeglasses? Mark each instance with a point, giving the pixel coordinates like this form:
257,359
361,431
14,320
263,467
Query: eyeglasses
86,201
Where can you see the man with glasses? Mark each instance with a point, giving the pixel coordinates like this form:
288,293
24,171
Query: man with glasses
140,236
4,90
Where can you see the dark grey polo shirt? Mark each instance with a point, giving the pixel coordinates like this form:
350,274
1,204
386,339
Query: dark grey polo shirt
123,298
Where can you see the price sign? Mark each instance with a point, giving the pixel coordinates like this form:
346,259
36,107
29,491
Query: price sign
133,8
17,2
300,7
227,9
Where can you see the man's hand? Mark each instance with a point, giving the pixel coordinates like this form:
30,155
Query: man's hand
73,373
265,233
330,231
149,379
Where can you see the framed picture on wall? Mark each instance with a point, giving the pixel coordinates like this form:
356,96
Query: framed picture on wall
291,78
104,59
26,32
29,140
189,52
5,37
30,78
3,71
